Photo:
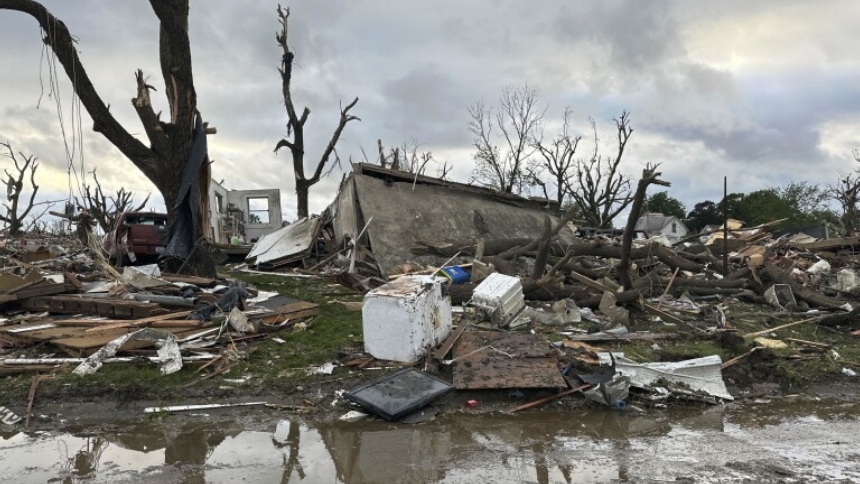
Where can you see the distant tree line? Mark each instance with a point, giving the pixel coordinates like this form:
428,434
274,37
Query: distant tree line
799,203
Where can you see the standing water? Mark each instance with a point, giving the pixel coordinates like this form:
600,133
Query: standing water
788,441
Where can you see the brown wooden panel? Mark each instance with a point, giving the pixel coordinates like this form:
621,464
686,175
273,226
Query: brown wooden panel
503,372
519,345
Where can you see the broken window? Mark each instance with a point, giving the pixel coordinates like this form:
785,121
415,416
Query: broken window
258,210
219,203
674,228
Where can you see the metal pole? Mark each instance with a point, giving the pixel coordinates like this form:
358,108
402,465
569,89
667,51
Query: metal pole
725,225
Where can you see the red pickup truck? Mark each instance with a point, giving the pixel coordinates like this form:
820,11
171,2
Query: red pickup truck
137,235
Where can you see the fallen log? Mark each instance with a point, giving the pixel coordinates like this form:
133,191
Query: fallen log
852,316
776,275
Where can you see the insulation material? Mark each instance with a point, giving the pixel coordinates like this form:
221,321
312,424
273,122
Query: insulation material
168,353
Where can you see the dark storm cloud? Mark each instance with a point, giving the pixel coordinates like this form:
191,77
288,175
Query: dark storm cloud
705,101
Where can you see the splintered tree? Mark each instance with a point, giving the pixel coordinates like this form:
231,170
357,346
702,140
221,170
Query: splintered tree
518,120
163,160
296,124
846,192
15,211
597,186
105,209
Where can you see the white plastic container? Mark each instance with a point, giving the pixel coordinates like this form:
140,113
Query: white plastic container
501,296
405,316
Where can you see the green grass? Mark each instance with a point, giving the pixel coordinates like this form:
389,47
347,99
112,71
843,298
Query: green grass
334,334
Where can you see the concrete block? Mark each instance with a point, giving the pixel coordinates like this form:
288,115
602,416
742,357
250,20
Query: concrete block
405,316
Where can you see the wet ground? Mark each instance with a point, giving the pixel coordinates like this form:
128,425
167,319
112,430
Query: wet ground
784,440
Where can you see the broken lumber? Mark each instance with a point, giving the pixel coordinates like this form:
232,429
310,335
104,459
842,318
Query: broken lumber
548,399
783,326
144,321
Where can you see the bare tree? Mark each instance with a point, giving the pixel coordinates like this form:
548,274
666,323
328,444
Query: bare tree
105,209
15,211
517,119
410,158
846,192
296,123
164,158
557,160
598,187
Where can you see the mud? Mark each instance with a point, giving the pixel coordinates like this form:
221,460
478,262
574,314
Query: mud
780,440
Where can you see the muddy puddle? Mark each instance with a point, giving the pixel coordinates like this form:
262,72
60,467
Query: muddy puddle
780,441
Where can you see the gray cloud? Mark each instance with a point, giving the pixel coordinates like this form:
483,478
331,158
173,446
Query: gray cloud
715,88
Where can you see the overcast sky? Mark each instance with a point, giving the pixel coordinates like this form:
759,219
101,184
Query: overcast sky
763,92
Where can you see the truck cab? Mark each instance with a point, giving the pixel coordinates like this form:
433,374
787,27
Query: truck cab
137,235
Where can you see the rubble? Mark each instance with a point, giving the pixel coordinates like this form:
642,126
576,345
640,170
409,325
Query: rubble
490,292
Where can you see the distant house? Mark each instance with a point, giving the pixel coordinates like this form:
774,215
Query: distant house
656,224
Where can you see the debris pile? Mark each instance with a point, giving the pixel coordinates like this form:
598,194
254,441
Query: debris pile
72,311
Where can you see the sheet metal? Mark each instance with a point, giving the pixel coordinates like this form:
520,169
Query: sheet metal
286,242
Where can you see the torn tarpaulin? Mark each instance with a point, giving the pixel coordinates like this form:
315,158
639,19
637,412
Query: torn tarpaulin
169,357
183,229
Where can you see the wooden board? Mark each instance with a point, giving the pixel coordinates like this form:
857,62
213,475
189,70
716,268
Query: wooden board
113,308
496,372
520,345
296,310
90,343
515,360
41,289
197,281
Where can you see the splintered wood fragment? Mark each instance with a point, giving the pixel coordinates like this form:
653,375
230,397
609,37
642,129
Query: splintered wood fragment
143,321
195,280
31,396
777,328
736,359
449,343
810,343
548,399
662,314
358,362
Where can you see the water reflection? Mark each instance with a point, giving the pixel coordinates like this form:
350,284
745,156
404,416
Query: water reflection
596,445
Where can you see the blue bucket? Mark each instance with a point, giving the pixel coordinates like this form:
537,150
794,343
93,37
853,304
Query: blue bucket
456,274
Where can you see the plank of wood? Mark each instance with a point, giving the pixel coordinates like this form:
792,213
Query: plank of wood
777,328
92,342
197,281
41,289
449,342
636,336
114,308
293,311
547,399
144,321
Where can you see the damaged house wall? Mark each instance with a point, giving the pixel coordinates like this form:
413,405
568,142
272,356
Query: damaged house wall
230,212
406,208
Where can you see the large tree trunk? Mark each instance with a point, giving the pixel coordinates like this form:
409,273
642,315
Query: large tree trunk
164,160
